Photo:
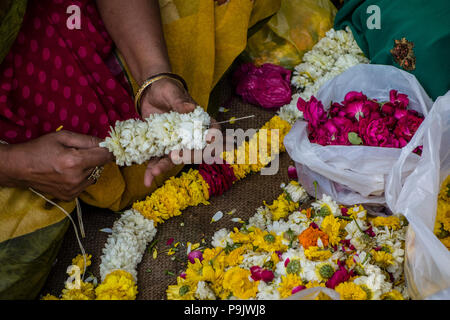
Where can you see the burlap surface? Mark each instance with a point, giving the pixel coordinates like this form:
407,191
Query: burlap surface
154,275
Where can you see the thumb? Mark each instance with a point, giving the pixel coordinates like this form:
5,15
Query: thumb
76,140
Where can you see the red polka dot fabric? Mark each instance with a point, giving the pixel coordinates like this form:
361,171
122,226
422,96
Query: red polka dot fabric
54,76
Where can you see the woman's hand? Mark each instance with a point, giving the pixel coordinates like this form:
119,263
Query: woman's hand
57,164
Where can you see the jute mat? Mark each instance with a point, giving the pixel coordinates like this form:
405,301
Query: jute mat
155,275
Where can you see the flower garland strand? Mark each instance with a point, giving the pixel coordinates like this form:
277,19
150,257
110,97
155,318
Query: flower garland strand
136,141
332,55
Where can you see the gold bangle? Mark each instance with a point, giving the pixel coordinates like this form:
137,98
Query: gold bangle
147,83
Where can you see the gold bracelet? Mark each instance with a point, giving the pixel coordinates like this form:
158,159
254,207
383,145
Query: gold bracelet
147,83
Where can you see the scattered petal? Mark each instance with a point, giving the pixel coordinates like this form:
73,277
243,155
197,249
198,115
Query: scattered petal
292,173
170,241
106,230
217,216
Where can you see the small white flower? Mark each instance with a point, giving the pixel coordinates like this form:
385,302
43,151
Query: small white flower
204,292
221,238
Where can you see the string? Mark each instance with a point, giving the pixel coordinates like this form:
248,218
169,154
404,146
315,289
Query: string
83,252
79,214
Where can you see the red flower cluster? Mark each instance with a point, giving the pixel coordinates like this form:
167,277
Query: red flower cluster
359,120
268,86
219,177
259,273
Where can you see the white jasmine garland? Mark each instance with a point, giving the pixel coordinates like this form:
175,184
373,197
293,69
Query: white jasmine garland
332,55
136,141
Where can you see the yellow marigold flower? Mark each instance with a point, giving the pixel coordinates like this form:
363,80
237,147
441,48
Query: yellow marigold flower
392,295
268,241
392,222
442,217
275,258
351,291
49,296
281,207
289,282
183,290
349,262
313,284
331,226
85,292
446,242
236,280
444,193
235,257
79,261
194,271
118,285
315,253
240,237
382,258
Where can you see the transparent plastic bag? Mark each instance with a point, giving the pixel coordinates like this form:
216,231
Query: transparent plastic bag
354,174
427,260
291,32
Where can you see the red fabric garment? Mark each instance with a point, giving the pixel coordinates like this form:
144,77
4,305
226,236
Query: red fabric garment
54,76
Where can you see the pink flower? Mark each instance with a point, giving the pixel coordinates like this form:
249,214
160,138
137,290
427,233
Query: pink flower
336,110
313,111
169,241
407,126
197,254
339,276
375,133
388,109
399,100
258,273
292,173
267,86
297,289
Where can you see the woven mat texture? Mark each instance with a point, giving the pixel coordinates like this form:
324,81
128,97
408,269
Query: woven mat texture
245,196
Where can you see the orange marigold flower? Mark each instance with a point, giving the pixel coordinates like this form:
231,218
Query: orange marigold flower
310,236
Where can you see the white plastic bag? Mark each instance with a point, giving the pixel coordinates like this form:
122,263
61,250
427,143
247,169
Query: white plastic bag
427,263
354,174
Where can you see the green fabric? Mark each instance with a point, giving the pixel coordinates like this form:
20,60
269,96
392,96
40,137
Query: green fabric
25,261
11,17
423,22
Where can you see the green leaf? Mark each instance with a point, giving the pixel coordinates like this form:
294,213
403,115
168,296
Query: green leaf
354,138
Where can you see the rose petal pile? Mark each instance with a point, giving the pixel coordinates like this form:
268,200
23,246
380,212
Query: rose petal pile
359,120
267,86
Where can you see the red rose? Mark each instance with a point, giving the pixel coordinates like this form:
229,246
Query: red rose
267,86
